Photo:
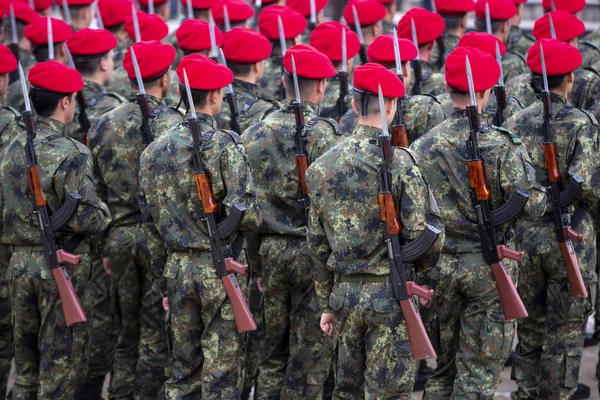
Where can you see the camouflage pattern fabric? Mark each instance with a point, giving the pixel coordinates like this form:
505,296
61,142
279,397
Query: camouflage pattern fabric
513,106
119,82
207,351
329,106
421,113
173,99
270,82
518,41
471,350
589,46
388,27
298,356
14,96
433,83
513,64
50,358
450,43
251,109
551,338
120,50
372,357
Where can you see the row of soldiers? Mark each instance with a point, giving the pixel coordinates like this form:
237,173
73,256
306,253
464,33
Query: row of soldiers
159,319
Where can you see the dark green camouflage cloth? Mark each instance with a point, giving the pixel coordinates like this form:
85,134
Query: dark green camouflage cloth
50,358
513,105
589,46
206,349
119,82
518,41
467,325
551,338
13,91
388,27
116,144
421,113
433,83
297,355
513,64
270,82
120,50
372,353
450,43
251,109
329,107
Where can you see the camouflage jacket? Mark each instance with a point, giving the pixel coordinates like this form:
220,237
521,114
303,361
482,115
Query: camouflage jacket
450,43
251,109
169,196
518,41
575,133
270,82
14,95
345,229
329,105
589,46
271,152
99,101
513,106
444,155
10,125
120,51
116,144
388,27
513,64
433,83
119,82
421,113
64,166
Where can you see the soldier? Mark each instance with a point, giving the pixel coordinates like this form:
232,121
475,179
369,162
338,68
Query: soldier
193,37
454,13
24,15
50,357
551,338
79,14
501,13
303,7
421,112
161,8
327,38
9,129
518,41
351,271
467,319
294,25
207,350
370,22
297,355
239,13
113,14
428,27
116,142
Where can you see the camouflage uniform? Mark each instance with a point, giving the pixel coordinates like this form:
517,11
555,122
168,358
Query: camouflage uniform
270,82
513,64
50,358
388,27
9,129
518,41
207,350
329,106
467,324
119,82
141,352
251,109
297,354
450,43
551,338
589,46
372,353
120,50
421,113
433,83
513,106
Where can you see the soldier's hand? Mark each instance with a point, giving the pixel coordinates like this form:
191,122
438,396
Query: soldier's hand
259,285
106,264
425,302
327,323
166,304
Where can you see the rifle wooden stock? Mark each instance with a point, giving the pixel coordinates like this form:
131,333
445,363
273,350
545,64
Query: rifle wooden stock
400,136
576,285
551,163
477,180
243,317
72,309
509,297
420,346
205,194
302,165
388,213
416,290
234,266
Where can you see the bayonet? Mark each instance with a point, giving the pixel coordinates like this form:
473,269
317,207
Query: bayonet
214,51
417,66
190,11
231,100
189,95
361,39
551,25
488,19
226,18
313,15
397,57
14,45
384,128
67,13
344,52
470,82
138,74
544,74
282,41
552,5
50,40
24,88
295,78
32,4
98,15
150,6
258,3
136,24
413,31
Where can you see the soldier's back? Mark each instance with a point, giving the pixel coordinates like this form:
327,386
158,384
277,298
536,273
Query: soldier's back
9,126
586,88
518,41
513,64
270,82
520,87
421,113
330,104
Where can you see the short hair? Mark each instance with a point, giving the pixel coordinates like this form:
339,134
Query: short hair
41,52
7,29
554,81
480,25
115,28
45,102
199,97
337,64
203,52
366,102
239,69
88,65
305,86
452,22
76,11
275,45
454,92
148,84
157,7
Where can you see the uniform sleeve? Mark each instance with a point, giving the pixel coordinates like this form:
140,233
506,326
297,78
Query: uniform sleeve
585,162
324,139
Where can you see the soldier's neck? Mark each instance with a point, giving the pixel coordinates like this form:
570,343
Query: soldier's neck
560,91
61,117
250,78
95,78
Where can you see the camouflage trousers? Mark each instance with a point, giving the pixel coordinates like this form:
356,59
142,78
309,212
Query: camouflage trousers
297,355
551,338
206,348
50,358
6,346
467,328
141,352
372,358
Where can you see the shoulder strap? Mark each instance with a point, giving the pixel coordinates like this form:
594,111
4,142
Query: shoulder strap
430,95
562,112
91,102
515,139
311,124
597,73
248,105
408,151
591,44
518,55
590,116
518,101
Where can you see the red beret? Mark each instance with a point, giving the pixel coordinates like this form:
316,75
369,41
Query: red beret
517,2
114,12
310,63
154,59
454,7
572,6
293,22
500,10
566,26
429,25
238,11
237,41
369,77
560,57
369,12
41,5
144,3
381,51
72,3
193,35
8,62
37,31
55,77
200,4
23,12
204,73
482,41
303,6
327,38
152,27
485,68
91,42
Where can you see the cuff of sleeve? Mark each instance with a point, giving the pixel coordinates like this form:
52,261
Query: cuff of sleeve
324,290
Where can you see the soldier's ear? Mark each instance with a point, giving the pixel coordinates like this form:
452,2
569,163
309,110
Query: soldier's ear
354,107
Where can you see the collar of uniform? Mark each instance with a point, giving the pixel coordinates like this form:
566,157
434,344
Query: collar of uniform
450,36
152,101
515,29
245,88
46,126
93,86
461,113
369,131
204,119
426,68
558,99
309,107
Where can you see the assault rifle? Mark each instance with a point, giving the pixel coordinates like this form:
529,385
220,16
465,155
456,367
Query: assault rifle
561,198
217,233
398,255
283,46
82,118
363,49
51,224
488,219
142,101
399,134
301,158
